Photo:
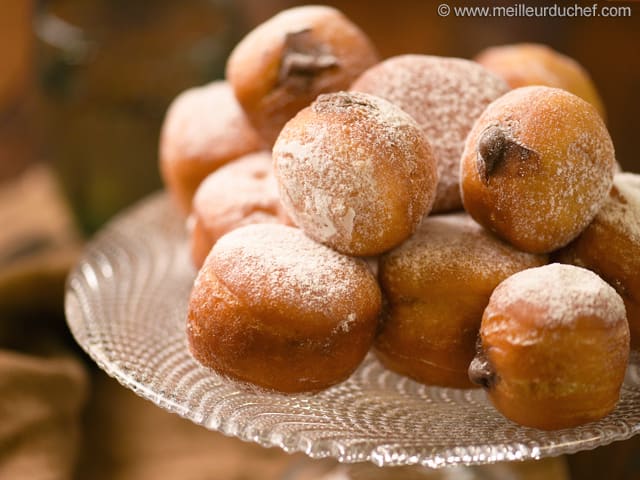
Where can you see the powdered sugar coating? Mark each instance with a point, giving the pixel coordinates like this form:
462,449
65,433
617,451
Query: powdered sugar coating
454,243
271,267
610,246
355,172
445,96
204,128
557,295
553,179
622,210
240,193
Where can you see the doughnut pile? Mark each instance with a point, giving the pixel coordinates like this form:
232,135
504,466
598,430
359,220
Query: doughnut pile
333,243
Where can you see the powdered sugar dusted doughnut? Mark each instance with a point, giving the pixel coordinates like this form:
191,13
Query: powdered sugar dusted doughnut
525,64
285,63
240,193
437,284
204,128
445,96
272,307
554,347
537,167
610,246
355,172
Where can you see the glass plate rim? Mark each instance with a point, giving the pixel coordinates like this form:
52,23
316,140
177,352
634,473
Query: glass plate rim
385,455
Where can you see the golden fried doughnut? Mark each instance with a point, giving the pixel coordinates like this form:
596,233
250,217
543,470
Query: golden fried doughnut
437,284
203,129
286,62
537,166
240,193
526,64
274,308
554,346
610,246
355,172
445,96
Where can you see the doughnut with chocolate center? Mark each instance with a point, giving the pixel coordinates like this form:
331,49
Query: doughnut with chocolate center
537,166
285,63
554,346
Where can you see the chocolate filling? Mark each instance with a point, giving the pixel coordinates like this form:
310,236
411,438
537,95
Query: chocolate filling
481,371
495,147
302,59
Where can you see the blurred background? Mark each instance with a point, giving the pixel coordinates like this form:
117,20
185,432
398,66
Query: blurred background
84,86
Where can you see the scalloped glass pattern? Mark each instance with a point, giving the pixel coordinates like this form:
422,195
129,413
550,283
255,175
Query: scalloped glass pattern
126,305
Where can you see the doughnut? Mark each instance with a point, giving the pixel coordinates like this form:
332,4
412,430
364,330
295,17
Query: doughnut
240,193
525,64
445,96
554,346
273,308
610,246
437,284
203,129
355,172
536,168
285,63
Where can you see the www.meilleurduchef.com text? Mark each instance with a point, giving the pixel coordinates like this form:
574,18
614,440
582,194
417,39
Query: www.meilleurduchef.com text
526,10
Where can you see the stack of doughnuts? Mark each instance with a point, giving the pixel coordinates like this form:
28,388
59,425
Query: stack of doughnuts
411,208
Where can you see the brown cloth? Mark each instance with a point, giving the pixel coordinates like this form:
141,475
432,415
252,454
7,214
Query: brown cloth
62,418
40,405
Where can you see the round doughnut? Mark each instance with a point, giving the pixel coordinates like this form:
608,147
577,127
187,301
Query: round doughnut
610,246
203,129
525,64
554,346
274,308
285,63
437,284
355,172
240,193
445,96
537,166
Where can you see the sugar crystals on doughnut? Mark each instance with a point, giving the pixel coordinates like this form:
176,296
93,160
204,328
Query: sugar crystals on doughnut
272,307
537,166
610,246
239,193
355,172
554,345
203,129
437,284
445,96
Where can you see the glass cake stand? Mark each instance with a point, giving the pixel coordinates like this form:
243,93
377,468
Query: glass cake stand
126,304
